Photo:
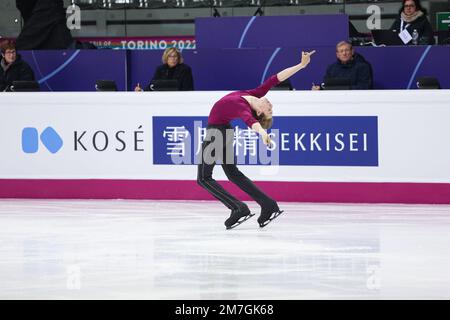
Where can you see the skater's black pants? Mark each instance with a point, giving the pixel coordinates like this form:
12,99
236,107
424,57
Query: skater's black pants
210,155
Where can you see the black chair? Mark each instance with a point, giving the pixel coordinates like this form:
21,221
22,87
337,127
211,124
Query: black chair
337,84
428,83
164,85
105,85
25,86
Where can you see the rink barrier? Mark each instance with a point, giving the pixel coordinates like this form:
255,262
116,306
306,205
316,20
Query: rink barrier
342,146
342,192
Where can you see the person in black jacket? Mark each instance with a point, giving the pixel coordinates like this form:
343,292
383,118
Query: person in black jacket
350,65
45,25
413,16
173,67
12,67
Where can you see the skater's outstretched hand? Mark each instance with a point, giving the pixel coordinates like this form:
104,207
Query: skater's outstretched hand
306,58
288,72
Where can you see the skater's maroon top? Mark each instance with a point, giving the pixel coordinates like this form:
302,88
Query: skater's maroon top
233,106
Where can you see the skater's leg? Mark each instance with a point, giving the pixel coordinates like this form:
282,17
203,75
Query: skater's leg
239,210
269,207
245,184
205,180
238,178
205,169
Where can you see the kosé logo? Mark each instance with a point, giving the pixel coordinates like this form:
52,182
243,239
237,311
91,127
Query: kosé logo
49,137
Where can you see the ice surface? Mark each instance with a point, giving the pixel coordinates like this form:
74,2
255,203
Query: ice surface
116,249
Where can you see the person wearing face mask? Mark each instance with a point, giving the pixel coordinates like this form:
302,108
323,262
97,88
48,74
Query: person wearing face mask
173,68
12,67
412,16
252,107
349,65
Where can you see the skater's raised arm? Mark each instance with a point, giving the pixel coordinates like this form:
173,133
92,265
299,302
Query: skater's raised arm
262,90
288,72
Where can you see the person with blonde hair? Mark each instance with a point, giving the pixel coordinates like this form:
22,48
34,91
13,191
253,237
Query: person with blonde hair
173,68
256,111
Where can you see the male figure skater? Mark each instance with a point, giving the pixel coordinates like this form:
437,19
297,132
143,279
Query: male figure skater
256,111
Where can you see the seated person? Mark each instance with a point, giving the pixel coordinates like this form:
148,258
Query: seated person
12,67
45,25
349,65
413,16
173,68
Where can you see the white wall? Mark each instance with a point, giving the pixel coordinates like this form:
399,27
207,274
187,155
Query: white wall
413,134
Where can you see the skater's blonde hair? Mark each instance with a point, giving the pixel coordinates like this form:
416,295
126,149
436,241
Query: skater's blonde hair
266,122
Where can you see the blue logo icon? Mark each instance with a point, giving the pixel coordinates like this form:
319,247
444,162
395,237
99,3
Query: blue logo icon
49,138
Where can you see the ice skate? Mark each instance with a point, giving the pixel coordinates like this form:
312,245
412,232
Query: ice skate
268,215
237,217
